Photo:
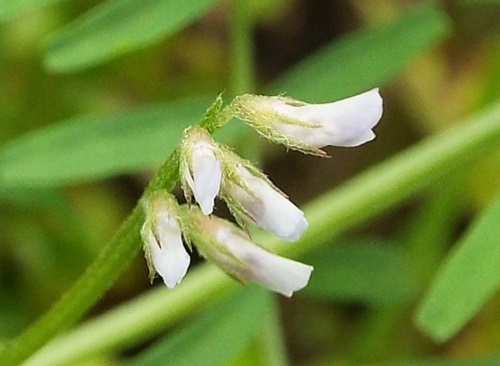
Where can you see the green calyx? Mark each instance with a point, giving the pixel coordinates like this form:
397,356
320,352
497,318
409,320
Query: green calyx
260,113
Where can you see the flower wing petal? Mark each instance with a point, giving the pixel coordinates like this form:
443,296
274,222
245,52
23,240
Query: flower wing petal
268,208
276,273
207,179
347,122
168,254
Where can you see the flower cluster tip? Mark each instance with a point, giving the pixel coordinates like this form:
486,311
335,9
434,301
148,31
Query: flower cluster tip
209,170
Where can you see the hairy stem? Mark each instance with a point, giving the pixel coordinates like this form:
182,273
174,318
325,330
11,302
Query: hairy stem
96,280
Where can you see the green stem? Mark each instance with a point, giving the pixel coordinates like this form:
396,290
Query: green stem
357,201
270,339
123,247
155,307
167,176
99,276
242,70
86,291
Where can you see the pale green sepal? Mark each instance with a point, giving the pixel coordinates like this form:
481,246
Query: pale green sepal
185,169
230,160
215,117
147,252
249,108
200,229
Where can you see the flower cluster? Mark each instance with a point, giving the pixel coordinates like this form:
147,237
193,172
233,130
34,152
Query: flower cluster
209,170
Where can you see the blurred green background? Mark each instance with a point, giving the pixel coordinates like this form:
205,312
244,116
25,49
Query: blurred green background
94,96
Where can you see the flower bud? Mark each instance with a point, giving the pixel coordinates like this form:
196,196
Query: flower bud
232,250
309,127
253,197
201,171
162,237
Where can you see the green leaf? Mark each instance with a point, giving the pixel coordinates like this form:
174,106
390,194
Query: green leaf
494,361
365,59
373,273
480,1
95,147
28,197
10,9
117,27
469,277
216,338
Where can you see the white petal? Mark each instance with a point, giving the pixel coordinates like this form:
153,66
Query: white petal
280,274
207,175
169,257
270,270
347,122
271,210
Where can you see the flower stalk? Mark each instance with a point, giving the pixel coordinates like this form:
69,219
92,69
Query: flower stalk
208,169
159,228
367,195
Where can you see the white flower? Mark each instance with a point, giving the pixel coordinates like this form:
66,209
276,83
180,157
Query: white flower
162,235
232,250
205,176
201,170
255,198
277,273
308,127
347,122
